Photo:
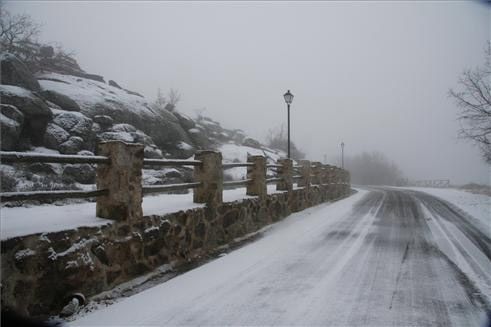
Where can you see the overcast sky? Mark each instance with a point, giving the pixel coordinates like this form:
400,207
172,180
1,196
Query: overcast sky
372,74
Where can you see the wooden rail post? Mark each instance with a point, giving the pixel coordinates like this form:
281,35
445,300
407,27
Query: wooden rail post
123,179
210,175
285,173
258,175
305,172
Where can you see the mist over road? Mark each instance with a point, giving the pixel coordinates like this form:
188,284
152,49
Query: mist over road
381,257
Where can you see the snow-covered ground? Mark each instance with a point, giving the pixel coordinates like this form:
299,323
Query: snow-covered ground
20,221
478,206
238,153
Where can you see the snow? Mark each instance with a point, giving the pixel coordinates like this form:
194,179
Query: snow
20,221
184,146
47,218
7,121
337,264
476,205
238,153
87,93
461,251
228,275
21,254
16,90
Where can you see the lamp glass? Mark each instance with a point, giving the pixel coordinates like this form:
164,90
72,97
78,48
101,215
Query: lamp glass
288,97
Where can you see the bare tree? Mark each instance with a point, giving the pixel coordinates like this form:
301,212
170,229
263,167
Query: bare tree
173,98
277,139
474,100
18,33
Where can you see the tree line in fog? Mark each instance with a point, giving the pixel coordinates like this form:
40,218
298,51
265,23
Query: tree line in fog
373,168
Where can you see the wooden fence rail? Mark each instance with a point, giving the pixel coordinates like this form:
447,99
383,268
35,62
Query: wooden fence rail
119,177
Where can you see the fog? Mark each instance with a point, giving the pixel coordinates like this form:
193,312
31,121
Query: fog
375,75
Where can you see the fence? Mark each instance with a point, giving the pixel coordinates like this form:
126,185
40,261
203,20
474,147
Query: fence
119,177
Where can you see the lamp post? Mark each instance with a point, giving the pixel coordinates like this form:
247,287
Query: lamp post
342,155
288,99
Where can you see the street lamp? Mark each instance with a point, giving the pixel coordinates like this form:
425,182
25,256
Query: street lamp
288,99
342,155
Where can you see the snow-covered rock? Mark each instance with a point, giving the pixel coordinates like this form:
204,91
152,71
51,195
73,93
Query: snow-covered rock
72,146
152,153
104,121
11,121
60,100
81,173
123,128
97,98
36,112
15,72
116,136
75,123
55,136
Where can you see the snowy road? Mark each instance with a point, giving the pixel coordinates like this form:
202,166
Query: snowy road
381,257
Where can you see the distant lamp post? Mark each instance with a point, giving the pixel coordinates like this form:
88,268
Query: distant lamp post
288,99
342,155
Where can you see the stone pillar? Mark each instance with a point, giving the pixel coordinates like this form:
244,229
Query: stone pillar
258,175
316,173
285,173
325,174
210,174
123,179
305,171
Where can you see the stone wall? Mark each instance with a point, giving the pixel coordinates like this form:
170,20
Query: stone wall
39,271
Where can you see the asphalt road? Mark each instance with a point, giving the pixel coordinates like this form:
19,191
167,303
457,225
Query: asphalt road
384,257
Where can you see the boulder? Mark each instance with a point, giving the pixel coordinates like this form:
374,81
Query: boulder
75,123
15,72
81,173
199,138
123,128
252,143
61,100
122,106
114,84
72,146
142,138
41,168
104,121
36,112
11,121
152,153
93,77
55,136
186,122
116,136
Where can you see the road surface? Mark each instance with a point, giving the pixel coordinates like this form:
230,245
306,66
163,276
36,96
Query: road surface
381,257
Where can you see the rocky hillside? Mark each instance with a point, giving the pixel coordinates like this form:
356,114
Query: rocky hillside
64,110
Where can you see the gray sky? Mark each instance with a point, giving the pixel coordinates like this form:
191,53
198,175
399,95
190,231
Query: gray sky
373,74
